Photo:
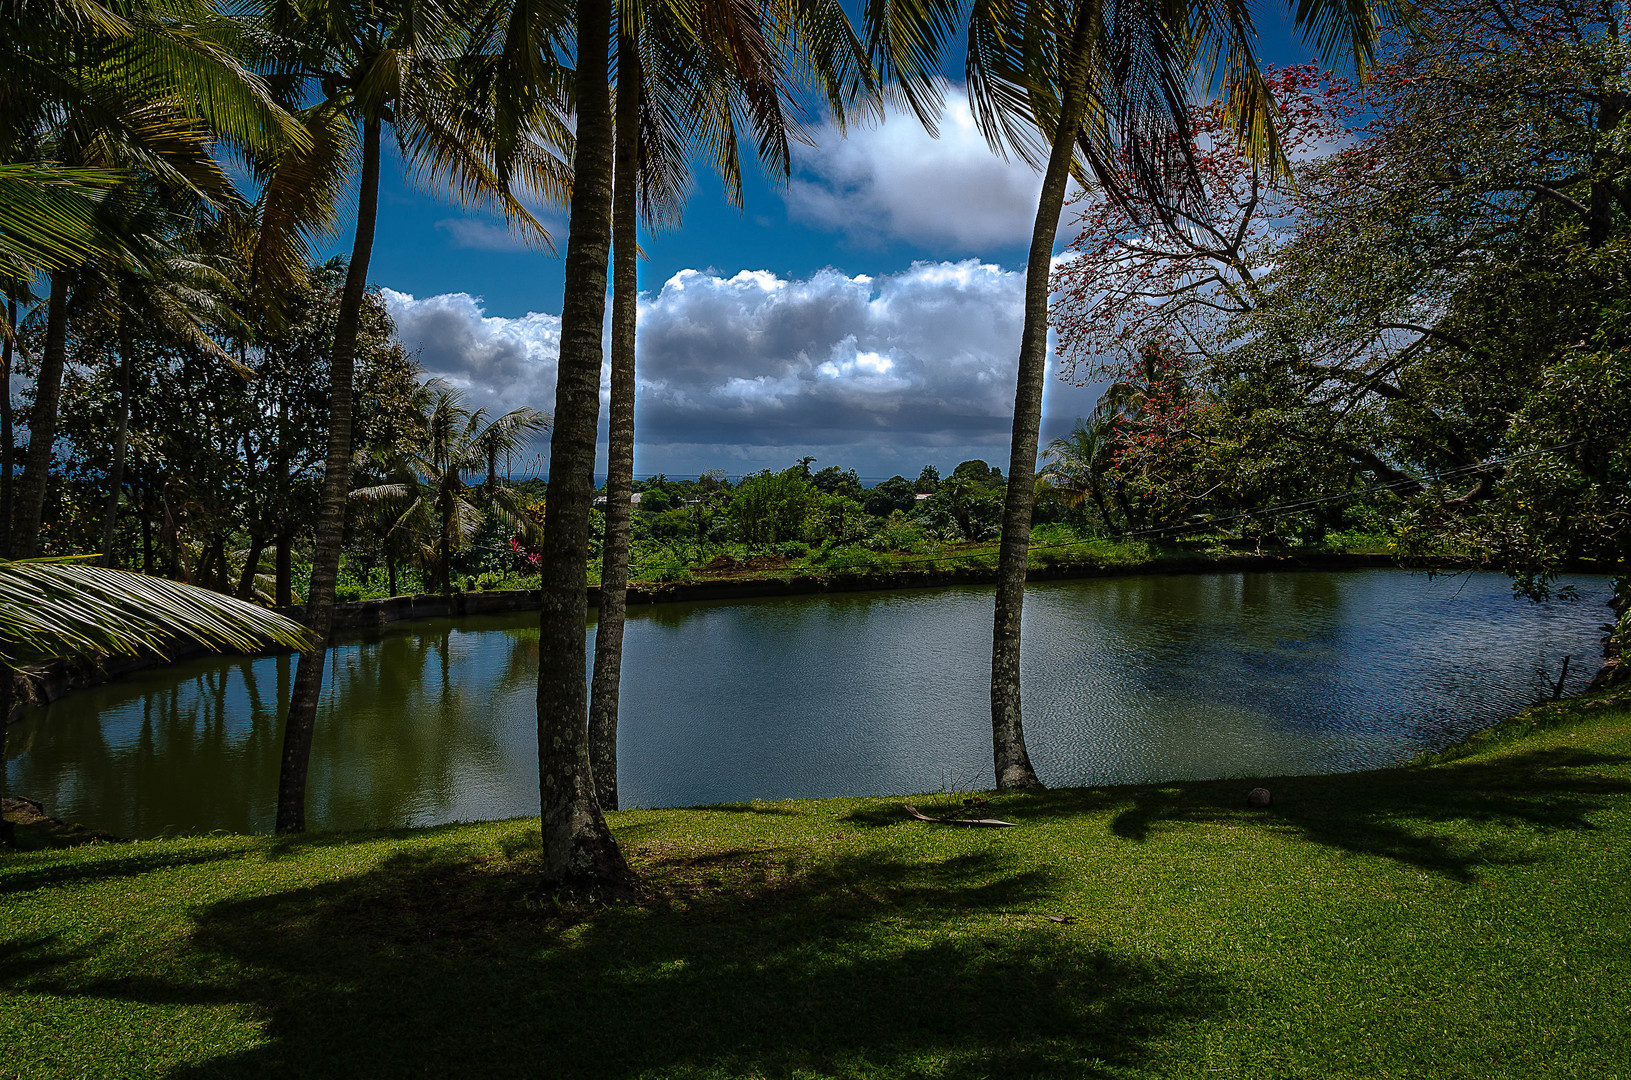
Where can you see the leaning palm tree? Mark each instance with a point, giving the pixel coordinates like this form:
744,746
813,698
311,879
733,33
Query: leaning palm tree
61,607
1063,85
579,852
362,66
679,95
432,503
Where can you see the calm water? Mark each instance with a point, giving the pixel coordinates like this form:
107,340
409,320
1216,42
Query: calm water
1126,679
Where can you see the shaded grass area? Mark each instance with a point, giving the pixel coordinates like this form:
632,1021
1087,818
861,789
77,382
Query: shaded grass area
1464,918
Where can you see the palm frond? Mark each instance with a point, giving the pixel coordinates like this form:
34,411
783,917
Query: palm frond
56,607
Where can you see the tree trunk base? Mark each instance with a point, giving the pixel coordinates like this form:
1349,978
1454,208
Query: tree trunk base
595,870
1018,778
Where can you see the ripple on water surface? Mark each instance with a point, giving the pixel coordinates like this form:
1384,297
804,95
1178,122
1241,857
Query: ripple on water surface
1125,679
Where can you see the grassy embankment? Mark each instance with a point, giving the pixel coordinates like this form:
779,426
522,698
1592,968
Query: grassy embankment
1466,917
1053,547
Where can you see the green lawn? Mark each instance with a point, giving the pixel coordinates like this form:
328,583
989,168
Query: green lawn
1468,918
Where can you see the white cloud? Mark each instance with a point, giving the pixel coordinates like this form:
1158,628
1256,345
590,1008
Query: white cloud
893,181
754,370
482,235
501,364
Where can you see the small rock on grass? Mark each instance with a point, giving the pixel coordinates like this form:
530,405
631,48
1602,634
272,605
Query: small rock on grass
1259,797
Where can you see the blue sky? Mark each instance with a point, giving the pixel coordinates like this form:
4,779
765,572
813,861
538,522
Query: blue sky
866,313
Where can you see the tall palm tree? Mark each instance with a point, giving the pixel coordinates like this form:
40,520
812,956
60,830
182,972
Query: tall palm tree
678,97
579,852
364,65
1062,85
92,96
432,503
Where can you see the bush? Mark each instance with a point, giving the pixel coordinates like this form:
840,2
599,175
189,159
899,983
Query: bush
671,525
895,494
899,534
771,507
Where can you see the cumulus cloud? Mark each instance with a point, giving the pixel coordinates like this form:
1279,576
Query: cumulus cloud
893,181
754,370
500,364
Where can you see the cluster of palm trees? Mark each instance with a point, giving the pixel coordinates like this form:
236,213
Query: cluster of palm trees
425,509
108,111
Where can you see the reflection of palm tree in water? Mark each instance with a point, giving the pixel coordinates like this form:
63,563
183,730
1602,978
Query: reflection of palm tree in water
406,730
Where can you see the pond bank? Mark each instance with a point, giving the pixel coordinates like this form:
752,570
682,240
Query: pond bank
1465,919
44,684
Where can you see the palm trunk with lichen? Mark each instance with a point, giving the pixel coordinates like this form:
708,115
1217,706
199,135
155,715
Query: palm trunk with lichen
580,857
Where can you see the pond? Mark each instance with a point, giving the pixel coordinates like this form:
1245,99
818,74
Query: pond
1125,680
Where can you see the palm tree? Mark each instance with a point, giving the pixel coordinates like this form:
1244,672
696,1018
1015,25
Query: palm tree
1076,463
408,64
60,607
579,852
431,503
1061,85
95,96
678,95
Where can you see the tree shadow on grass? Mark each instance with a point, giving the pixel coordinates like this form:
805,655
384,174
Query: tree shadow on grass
850,969
1450,819
768,809
116,860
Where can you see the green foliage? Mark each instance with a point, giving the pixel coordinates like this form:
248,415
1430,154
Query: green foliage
769,508
895,494
899,534
836,481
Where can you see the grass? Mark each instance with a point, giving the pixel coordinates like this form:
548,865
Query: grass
1468,917
1060,547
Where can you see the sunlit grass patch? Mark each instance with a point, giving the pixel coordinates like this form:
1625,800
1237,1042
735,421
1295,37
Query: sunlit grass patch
1467,918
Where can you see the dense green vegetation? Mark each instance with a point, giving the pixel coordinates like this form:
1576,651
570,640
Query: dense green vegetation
1464,918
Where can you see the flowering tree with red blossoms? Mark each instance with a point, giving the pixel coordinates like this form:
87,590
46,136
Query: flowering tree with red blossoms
1149,294
1140,269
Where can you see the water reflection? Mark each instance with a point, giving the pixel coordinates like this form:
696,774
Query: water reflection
1125,679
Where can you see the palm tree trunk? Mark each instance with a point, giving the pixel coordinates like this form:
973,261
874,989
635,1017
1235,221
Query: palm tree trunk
614,571
252,562
283,588
121,439
445,546
42,422
6,447
579,857
1013,763
308,679
390,573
